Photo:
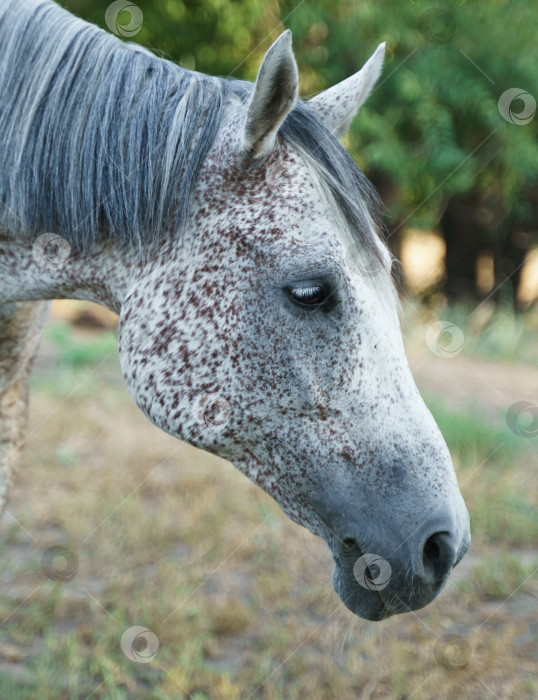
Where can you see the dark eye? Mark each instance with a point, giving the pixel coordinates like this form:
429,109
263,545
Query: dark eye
309,296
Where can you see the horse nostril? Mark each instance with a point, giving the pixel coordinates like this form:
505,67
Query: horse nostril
431,549
350,548
438,556
350,551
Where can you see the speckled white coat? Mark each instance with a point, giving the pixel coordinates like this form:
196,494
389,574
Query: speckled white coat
316,405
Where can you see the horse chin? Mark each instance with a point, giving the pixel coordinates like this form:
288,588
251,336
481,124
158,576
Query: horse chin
364,603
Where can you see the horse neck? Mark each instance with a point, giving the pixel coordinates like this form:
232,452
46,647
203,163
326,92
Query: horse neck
28,272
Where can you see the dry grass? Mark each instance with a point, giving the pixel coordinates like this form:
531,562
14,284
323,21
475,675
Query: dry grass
169,538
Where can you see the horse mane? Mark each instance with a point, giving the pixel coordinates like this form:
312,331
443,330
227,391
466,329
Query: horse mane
101,141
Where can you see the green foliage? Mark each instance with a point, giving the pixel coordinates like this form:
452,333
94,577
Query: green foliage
486,452
211,36
504,513
432,127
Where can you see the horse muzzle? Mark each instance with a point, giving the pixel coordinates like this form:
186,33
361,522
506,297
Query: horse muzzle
396,574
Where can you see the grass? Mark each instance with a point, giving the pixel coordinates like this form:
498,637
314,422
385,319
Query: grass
498,474
497,575
174,540
474,439
71,352
490,332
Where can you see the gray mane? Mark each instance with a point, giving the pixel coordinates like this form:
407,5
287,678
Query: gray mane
102,141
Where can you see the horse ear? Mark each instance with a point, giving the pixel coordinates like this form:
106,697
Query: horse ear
275,95
338,105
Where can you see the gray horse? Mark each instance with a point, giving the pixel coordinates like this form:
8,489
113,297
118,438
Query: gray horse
240,245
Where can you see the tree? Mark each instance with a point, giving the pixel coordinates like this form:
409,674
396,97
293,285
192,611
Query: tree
433,136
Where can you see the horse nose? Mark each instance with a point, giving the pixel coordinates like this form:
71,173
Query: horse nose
436,553
397,571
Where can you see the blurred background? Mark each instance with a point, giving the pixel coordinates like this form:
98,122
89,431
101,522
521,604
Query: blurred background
113,524
432,137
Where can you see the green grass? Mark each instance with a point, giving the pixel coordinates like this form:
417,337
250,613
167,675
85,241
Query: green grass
503,512
78,349
497,473
491,333
238,596
499,336
497,575
474,439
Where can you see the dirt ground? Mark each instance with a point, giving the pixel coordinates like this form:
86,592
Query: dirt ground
163,530
461,381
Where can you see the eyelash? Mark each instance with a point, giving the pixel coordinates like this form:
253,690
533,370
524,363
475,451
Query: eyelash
312,297
306,291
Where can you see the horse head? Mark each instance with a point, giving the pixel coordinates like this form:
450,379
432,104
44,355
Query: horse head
269,335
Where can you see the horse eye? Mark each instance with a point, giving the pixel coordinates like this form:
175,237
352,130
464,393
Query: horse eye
312,296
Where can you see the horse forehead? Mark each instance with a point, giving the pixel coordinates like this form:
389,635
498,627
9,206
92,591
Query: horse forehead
273,203
272,177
